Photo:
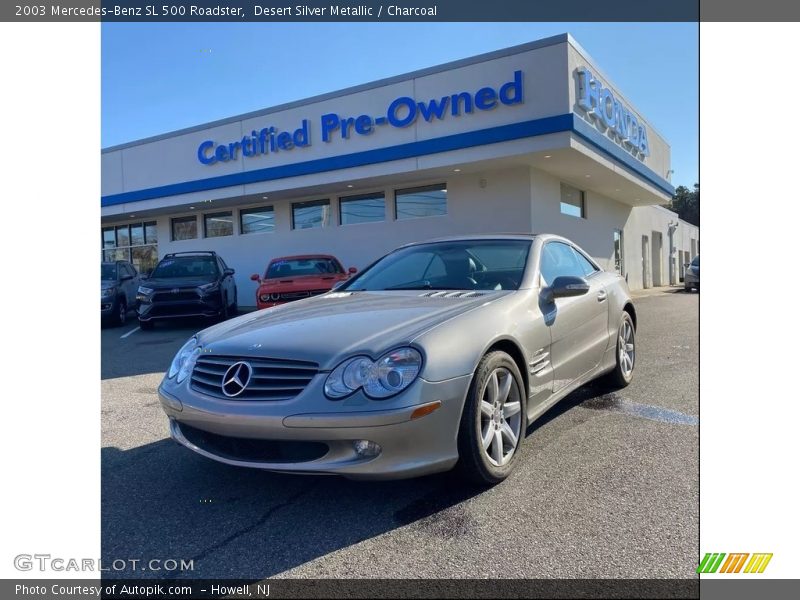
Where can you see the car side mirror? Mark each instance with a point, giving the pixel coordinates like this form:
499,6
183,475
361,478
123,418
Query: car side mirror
255,277
565,286
352,270
686,265
227,272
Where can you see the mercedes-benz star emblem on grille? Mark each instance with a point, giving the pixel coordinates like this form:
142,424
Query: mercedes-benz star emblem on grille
236,379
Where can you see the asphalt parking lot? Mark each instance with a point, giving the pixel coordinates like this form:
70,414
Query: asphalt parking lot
607,485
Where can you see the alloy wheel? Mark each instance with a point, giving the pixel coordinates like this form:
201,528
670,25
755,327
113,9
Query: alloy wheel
627,351
500,417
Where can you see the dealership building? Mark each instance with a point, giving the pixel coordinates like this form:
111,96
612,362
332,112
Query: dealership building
533,138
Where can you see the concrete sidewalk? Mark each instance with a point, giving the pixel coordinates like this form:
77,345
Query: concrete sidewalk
658,291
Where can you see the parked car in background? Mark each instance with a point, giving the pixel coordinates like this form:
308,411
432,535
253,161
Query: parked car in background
438,355
294,277
187,284
118,284
691,279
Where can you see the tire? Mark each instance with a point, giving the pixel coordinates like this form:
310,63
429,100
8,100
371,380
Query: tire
223,312
146,325
120,312
622,374
235,306
489,416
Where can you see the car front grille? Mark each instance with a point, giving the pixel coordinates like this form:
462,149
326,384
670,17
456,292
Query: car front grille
289,296
271,379
182,295
254,450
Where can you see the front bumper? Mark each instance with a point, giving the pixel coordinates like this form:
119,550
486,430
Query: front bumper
409,447
691,279
202,306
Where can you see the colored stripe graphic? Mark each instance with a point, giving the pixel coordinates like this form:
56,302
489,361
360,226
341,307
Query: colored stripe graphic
734,562
758,563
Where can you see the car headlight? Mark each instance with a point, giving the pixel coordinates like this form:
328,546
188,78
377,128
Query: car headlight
108,292
144,291
208,288
389,375
184,360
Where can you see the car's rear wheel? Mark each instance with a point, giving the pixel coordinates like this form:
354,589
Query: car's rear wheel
493,421
622,374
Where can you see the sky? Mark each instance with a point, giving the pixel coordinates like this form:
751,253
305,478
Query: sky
160,77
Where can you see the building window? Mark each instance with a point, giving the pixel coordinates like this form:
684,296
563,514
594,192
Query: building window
218,224
428,201
573,201
136,243
184,228
619,265
308,215
366,208
257,220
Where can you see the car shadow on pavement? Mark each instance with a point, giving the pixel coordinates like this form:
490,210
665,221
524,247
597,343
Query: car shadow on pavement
161,501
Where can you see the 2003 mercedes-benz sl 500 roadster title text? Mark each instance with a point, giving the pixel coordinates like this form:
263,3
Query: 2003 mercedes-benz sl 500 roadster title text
438,355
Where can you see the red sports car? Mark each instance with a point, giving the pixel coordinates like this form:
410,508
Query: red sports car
294,277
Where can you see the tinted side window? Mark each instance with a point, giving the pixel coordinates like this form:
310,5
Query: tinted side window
558,260
588,268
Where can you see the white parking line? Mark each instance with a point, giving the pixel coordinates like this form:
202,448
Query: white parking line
124,335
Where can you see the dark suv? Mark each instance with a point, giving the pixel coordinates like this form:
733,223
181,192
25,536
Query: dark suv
187,284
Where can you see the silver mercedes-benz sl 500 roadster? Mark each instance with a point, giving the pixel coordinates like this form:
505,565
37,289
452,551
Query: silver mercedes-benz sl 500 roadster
438,355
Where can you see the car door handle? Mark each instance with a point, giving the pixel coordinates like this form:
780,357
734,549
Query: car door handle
601,296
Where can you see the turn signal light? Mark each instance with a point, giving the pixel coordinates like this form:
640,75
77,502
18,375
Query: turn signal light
425,410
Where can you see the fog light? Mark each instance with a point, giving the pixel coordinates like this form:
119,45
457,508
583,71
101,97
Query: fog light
366,449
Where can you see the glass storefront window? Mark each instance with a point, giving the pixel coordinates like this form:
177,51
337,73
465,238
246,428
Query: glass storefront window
137,234
257,220
308,215
366,208
151,232
218,224
109,240
184,228
144,258
572,201
123,236
619,265
428,201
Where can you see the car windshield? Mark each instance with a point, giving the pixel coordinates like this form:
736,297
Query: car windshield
108,272
186,266
696,261
456,265
296,267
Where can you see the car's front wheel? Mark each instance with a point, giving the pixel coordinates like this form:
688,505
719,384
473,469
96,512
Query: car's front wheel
493,421
121,313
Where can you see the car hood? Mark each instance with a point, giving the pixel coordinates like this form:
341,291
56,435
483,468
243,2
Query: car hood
176,282
328,328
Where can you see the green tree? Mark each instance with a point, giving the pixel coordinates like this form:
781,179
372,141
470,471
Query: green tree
686,203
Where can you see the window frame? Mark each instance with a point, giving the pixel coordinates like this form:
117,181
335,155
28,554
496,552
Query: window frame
184,219
418,189
356,198
308,203
582,207
253,210
577,251
217,214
